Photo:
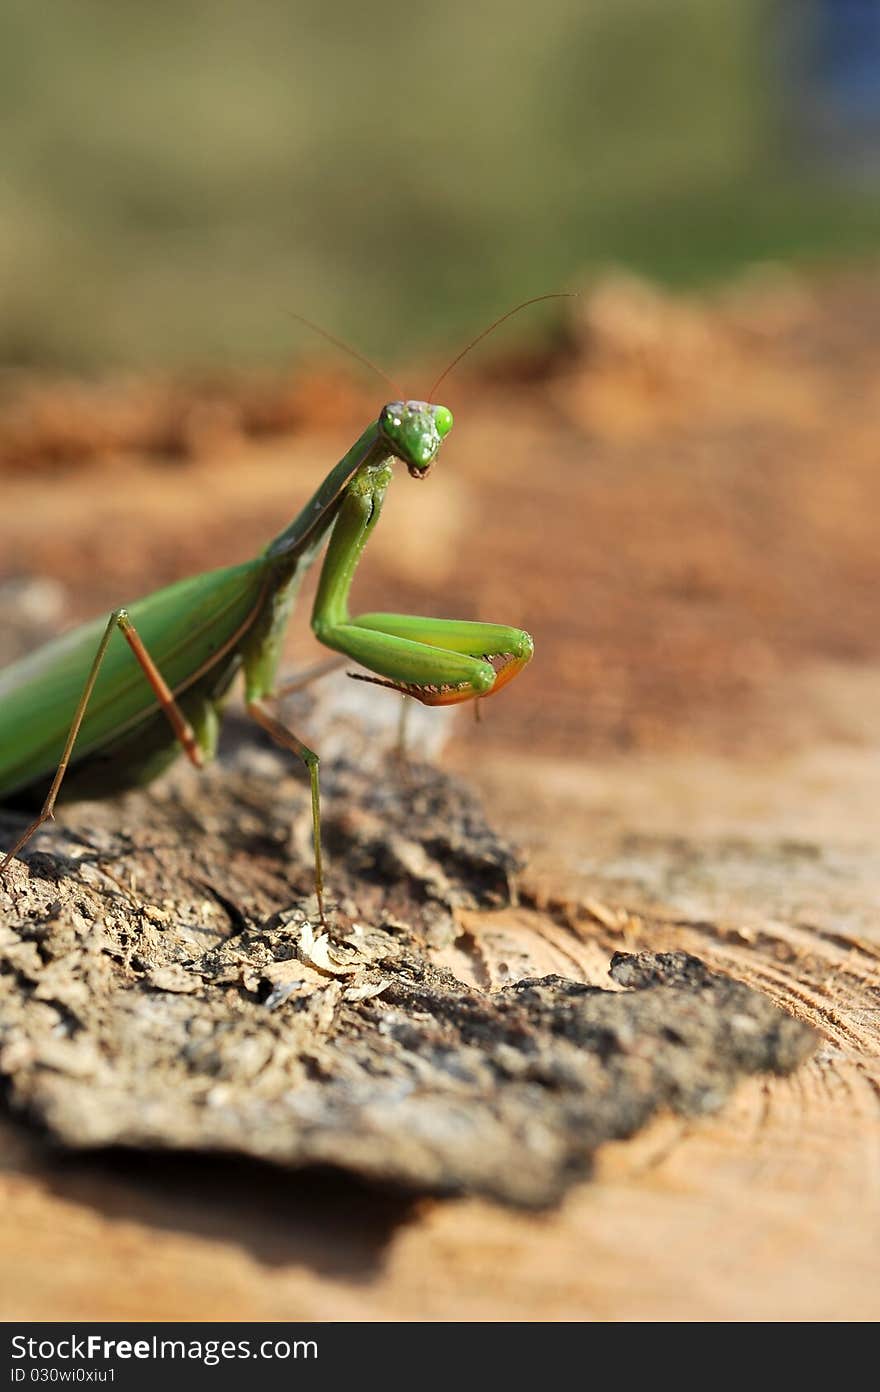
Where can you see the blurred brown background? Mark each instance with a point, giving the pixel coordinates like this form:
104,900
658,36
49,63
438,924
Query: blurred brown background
671,481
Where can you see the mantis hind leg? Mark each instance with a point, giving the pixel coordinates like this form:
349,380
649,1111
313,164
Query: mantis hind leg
180,725
288,740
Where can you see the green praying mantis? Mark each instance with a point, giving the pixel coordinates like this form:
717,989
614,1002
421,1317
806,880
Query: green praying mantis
111,704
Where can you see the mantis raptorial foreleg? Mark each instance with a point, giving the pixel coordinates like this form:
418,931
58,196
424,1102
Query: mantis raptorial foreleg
184,732
438,661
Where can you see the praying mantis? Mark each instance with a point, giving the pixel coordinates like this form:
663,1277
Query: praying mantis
111,704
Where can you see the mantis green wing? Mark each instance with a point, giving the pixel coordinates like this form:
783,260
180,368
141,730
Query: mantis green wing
185,626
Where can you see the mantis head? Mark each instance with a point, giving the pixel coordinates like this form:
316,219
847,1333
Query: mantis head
414,432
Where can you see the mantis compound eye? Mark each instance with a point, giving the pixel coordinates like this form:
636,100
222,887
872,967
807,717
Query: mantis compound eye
390,418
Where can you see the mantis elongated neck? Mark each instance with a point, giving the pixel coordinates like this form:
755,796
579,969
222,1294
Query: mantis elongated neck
310,525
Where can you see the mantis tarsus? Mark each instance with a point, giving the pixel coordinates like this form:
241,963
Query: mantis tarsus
80,711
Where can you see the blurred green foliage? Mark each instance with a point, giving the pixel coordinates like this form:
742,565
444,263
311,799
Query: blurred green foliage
176,174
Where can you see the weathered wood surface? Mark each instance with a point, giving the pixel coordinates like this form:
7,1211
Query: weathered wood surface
151,996
693,763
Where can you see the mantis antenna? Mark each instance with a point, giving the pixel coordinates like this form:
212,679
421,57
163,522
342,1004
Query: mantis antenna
553,295
367,362
344,347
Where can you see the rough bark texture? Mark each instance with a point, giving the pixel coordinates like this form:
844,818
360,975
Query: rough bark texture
194,1022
